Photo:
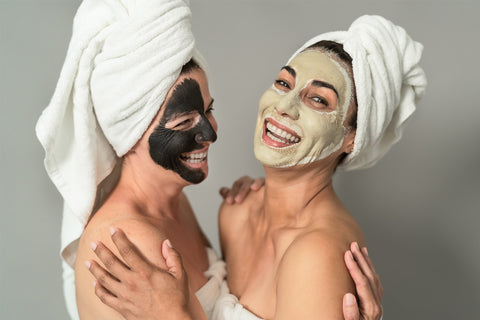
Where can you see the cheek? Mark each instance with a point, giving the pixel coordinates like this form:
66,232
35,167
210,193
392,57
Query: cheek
268,99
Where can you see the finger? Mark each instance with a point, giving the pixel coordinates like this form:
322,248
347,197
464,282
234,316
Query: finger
350,307
362,283
234,190
103,277
172,260
111,262
105,296
357,254
129,252
368,270
257,184
243,191
377,282
224,192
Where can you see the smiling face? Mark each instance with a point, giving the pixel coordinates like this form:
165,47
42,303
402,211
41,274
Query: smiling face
186,128
301,116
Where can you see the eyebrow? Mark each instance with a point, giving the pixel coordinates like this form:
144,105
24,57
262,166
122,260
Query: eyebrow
318,83
290,70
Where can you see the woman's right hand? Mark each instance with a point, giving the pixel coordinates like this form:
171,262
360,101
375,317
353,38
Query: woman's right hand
240,189
140,289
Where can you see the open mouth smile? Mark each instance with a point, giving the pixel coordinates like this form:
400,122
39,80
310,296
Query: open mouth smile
277,135
195,158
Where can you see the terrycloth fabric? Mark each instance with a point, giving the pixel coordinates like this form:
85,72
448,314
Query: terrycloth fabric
388,79
206,295
123,58
229,308
209,293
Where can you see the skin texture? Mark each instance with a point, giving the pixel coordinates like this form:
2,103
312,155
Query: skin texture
316,100
149,205
284,245
141,290
168,144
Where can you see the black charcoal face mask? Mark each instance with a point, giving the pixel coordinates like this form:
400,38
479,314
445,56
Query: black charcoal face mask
168,145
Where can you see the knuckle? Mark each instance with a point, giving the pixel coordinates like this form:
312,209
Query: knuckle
125,251
130,284
109,262
102,279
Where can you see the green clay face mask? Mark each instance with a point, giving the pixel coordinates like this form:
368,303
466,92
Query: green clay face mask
301,115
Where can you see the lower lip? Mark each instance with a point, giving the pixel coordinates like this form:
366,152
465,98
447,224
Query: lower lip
271,142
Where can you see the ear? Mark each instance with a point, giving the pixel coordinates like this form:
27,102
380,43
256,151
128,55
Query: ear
350,141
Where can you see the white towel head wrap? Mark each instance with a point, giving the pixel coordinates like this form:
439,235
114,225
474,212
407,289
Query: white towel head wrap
123,58
388,80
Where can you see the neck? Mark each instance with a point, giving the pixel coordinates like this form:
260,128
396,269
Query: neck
152,189
289,191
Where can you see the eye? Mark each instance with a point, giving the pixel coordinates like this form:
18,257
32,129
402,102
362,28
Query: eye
320,100
183,123
281,83
209,110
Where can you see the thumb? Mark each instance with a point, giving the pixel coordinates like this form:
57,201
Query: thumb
172,259
350,307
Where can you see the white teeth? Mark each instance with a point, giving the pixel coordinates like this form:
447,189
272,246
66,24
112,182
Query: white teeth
271,136
281,133
195,157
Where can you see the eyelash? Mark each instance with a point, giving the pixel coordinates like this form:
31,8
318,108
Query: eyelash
321,100
209,110
282,83
183,123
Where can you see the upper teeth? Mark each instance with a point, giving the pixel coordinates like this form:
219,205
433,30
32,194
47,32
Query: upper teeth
195,157
282,133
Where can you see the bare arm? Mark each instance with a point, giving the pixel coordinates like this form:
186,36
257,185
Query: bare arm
312,275
138,289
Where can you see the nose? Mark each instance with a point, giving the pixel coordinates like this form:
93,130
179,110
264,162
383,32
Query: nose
206,133
288,106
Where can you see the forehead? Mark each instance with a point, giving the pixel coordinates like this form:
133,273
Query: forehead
317,65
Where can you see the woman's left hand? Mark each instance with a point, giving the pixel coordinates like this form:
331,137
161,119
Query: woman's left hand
138,289
368,286
240,189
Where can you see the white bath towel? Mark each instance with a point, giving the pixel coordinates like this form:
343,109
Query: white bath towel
123,57
388,79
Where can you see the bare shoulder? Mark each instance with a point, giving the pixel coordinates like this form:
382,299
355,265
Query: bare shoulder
312,273
143,234
232,217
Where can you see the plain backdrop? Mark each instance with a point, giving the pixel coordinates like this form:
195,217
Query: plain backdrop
419,206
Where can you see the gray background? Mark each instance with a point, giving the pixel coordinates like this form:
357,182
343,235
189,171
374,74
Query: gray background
419,207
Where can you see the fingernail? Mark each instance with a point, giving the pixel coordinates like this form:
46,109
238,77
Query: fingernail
94,283
93,245
168,243
112,231
365,250
355,244
350,255
350,299
88,264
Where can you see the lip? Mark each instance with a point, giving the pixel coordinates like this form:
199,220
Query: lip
282,137
195,159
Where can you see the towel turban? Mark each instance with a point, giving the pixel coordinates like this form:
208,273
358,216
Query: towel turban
123,57
388,79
